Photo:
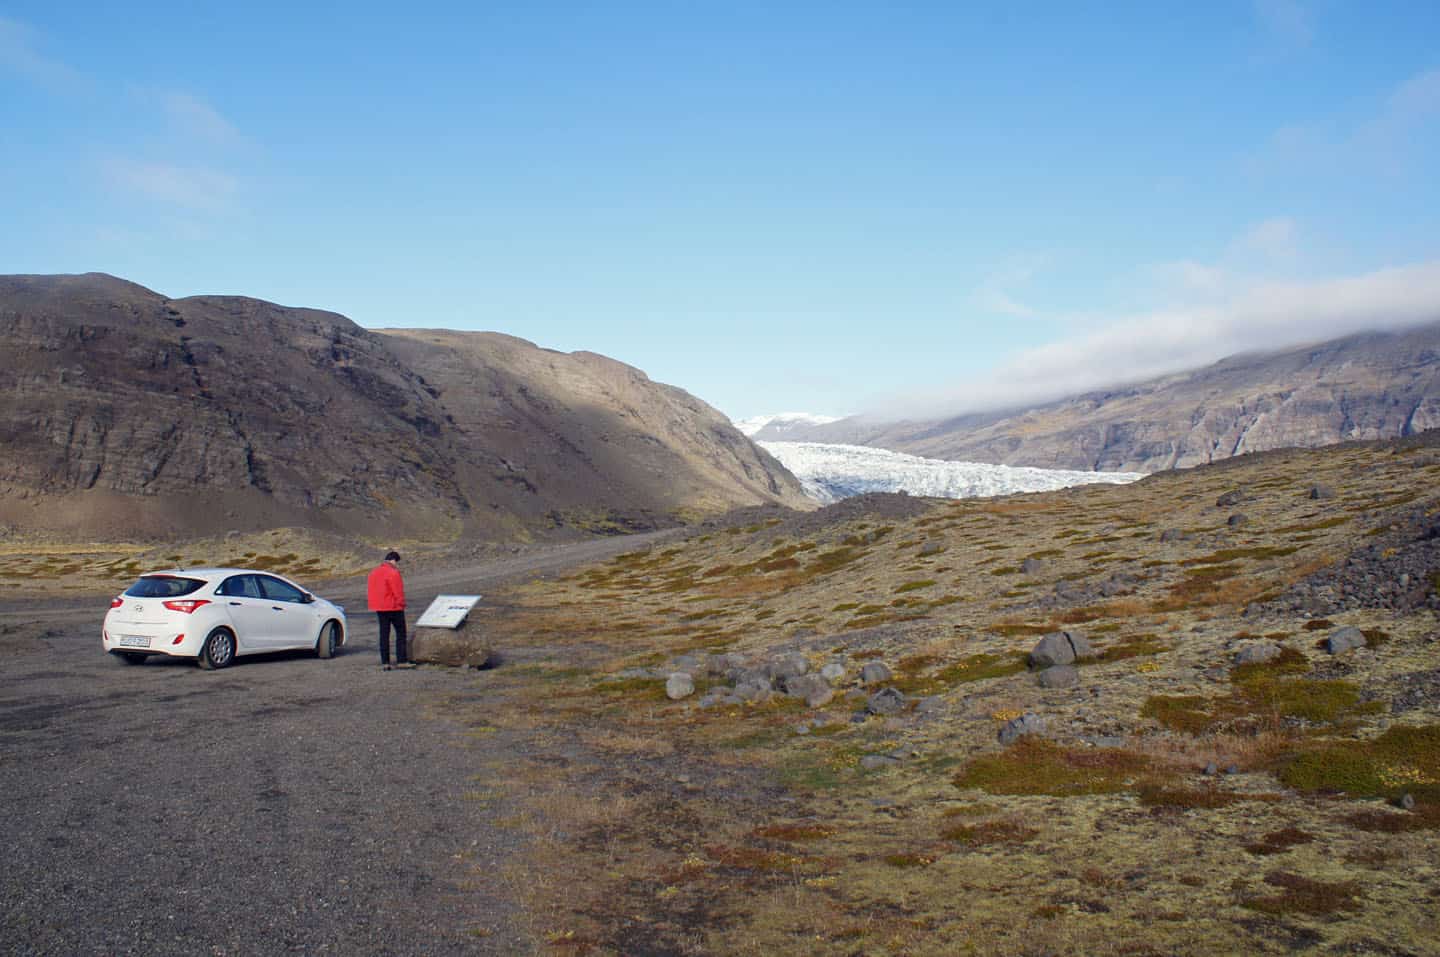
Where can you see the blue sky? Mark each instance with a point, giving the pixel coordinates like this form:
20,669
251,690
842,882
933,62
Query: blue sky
828,207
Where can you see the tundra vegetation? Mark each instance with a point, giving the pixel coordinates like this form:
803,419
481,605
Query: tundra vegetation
1210,777
848,731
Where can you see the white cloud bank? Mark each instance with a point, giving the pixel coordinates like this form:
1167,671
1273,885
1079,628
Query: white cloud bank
1260,317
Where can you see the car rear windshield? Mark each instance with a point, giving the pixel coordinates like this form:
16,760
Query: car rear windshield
163,586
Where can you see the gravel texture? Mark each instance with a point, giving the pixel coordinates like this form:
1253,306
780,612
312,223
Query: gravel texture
283,805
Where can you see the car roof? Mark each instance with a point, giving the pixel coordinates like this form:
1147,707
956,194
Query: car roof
206,572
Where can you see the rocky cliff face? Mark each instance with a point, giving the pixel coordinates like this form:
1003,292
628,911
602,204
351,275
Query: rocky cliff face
126,410
589,429
1368,386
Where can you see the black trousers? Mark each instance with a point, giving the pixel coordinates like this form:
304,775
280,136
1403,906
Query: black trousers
388,620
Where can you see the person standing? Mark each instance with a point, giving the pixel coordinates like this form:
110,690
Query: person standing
386,593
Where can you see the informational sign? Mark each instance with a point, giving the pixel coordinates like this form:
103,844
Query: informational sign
447,611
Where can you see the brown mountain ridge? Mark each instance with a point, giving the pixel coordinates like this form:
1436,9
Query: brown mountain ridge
127,413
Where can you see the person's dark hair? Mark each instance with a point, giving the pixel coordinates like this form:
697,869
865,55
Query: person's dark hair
392,556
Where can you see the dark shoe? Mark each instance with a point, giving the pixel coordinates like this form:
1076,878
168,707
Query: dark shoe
386,666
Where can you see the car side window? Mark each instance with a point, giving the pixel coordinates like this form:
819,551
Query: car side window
276,590
240,586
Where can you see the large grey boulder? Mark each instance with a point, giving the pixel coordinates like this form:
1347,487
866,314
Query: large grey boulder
1060,676
1060,648
819,699
750,689
1257,654
803,686
1230,498
886,701
833,672
1017,728
788,666
679,685
690,664
873,673
1344,639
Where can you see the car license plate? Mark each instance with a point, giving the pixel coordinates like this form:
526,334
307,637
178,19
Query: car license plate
134,641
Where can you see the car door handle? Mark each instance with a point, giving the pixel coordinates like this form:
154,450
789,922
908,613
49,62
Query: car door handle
276,608
235,604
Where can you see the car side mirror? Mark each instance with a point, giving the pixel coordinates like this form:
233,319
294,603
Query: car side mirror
307,598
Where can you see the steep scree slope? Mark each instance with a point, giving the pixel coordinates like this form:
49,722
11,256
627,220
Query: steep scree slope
129,413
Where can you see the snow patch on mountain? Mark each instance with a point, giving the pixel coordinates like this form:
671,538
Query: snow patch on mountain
776,426
829,473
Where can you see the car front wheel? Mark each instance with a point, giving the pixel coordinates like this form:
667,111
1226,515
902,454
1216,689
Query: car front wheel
218,650
329,640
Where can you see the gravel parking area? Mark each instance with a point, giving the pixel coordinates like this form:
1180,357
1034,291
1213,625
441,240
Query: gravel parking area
283,805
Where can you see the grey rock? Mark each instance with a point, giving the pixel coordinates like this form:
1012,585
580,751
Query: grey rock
690,664
873,673
1174,535
1060,648
720,665
1321,492
788,666
1407,801
752,676
750,691
1017,728
1344,639
679,685
934,704
1234,497
820,698
833,672
1060,676
931,548
1232,769
885,701
874,762
1211,769
803,686
1257,654
1238,519
1032,566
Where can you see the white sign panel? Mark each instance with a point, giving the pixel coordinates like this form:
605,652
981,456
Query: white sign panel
447,611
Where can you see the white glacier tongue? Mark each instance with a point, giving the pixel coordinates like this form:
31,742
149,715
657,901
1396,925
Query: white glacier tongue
829,473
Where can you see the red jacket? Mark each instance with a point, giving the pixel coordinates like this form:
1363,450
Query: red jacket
386,589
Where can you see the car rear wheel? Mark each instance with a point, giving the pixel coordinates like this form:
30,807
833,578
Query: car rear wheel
329,640
132,658
218,650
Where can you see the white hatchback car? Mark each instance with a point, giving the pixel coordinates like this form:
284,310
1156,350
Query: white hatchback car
217,614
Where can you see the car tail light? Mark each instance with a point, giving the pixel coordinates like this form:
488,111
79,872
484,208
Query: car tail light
187,605
178,639
117,601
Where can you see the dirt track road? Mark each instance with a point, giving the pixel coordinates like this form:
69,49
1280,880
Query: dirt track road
283,805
